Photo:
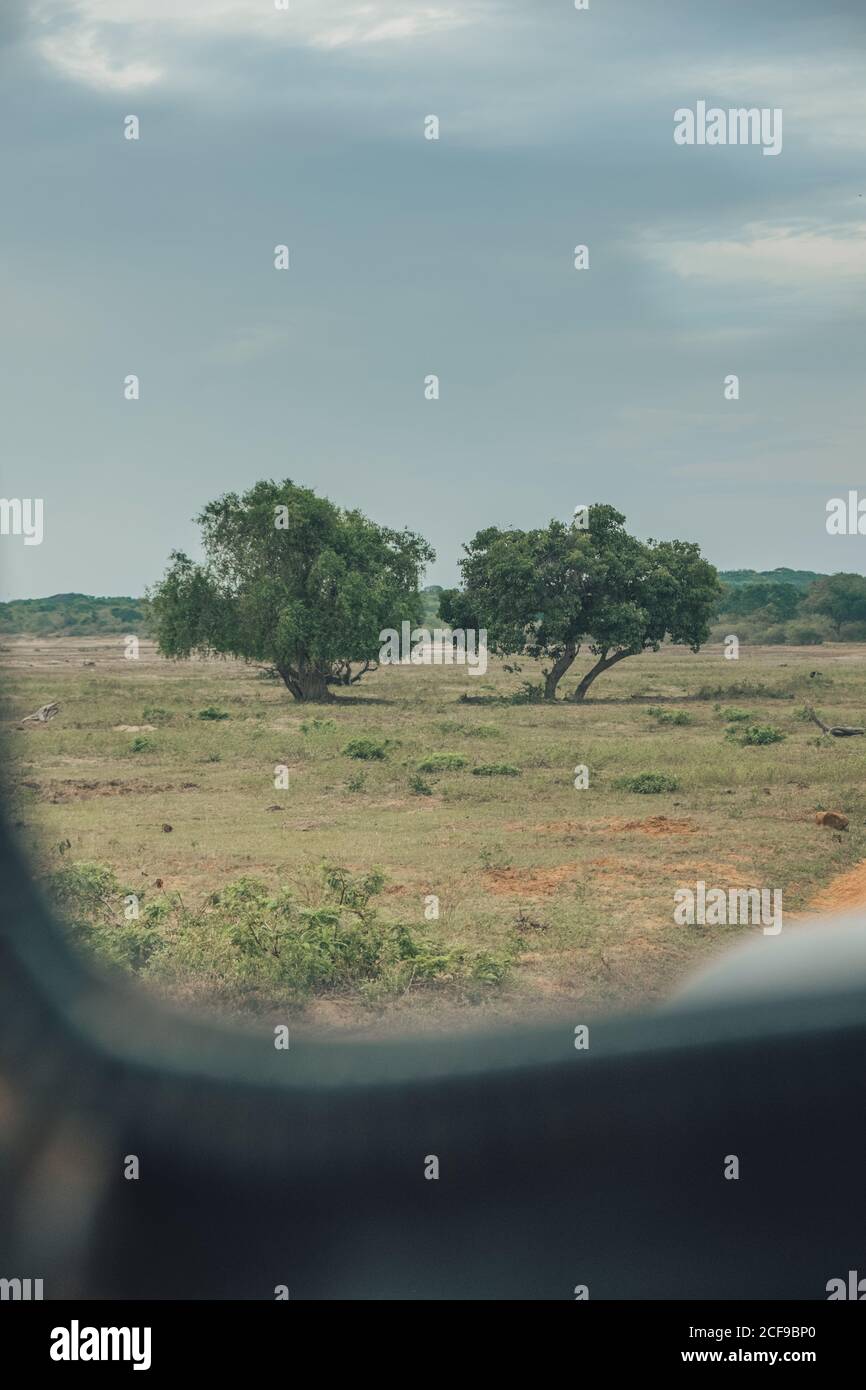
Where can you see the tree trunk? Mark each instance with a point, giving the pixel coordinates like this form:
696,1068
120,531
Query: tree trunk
603,664
306,684
558,670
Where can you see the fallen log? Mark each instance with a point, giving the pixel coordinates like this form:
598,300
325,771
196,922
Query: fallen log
837,730
41,715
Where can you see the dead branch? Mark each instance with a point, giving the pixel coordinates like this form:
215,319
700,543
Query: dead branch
837,730
41,715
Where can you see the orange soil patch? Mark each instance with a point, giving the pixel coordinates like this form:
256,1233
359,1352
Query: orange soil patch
658,825
843,892
528,883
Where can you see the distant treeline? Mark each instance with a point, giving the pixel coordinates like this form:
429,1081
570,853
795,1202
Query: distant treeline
73,615
81,615
798,607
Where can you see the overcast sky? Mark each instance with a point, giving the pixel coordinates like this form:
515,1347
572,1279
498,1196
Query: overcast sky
411,256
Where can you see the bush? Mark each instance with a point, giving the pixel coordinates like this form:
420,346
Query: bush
141,744
443,762
648,783
419,785
755,734
803,634
732,715
496,770
318,726
368,749
528,694
211,713
357,782
249,942
155,715
92,905
666,716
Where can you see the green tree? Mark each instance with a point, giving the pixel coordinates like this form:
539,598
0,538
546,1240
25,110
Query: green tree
839,597
548,593
291,580
764,599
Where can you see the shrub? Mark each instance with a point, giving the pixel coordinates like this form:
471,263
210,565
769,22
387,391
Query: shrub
443,762
666,716
368,749
91,902
756,734
141,744
732,715
419,785
648,783
251,942
212,713
528,694
357,782
803,634
496,770
155,715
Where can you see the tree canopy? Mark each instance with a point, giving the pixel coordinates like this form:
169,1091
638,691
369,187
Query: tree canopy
292,580
764,599
841,598
550,592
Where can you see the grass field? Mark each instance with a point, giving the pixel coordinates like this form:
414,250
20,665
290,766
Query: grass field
569,892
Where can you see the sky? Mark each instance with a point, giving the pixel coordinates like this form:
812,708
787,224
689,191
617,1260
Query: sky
410,257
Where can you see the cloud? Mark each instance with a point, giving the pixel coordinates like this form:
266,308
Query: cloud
783,256
130,44
822,96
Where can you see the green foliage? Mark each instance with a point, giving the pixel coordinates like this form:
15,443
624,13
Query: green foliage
666,716
756,734
90,901
141,744
802,633
768,599
211,713
155,714
496,770
546,593
800,579
648,783
74,615
795,607
318,726
731,715
419,785
251,942
443,762
291,580
840,598
368,749
528,694
430,604
357,782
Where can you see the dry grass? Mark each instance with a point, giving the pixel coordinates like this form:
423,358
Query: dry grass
593,871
